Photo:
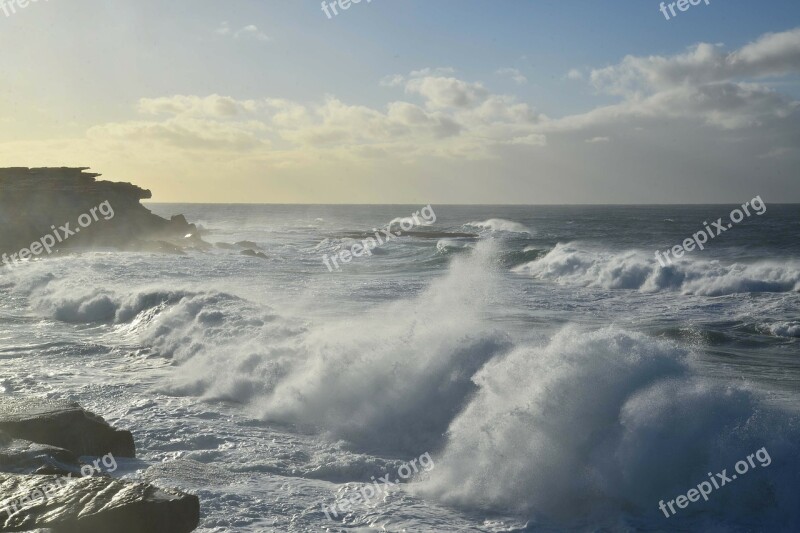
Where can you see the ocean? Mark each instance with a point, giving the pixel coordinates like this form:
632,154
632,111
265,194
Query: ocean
551,372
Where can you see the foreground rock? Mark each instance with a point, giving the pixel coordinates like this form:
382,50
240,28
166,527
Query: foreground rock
63,425
93,505
35,200
45,437
24,457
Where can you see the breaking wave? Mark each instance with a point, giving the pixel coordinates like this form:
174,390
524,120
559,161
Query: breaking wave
499,224
575,264
598,422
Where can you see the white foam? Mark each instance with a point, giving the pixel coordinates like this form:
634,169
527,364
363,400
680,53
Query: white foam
785,329
500,224
578,264
600,421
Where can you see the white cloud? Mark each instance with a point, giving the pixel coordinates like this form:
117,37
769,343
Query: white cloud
441,92
247,32
212,106
705,84
575,75
394,80
435,71
595,140
514,74
224,29
771,55
534,139
185,133
251,32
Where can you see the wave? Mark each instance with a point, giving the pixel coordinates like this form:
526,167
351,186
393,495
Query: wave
590,427
576,264
398,223
448,246
499,224
391,380
784,329
99,305
599,422
516,258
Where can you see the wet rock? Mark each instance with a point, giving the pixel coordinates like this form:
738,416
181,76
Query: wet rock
24,457
93,505
63,425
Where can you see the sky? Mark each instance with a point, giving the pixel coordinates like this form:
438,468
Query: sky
409,101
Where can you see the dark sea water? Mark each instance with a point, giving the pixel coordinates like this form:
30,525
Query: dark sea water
557,374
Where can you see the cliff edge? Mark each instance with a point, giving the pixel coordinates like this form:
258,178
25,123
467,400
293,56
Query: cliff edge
64,208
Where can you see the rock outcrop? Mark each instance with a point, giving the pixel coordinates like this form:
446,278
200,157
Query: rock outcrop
45,486
63,425
20,456
35,202
93,505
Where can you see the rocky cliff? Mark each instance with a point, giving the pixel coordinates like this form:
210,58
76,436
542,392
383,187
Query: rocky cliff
71,209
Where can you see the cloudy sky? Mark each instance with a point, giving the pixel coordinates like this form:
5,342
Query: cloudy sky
410,101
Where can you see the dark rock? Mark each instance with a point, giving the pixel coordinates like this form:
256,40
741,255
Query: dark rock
93,505
33,200
64,425
24,457
253,253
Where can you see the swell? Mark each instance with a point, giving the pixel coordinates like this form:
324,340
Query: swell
580,265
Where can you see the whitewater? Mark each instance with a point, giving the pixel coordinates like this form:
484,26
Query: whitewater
558,376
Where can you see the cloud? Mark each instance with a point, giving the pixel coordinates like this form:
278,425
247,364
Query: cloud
210,106
595,140
774,54
185,133
575,75
224,29
455,119
441,92
393,80
705,83
251,32
435,71
247,32
514,74
534,139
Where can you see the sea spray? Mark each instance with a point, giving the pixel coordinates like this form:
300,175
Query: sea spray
598,420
